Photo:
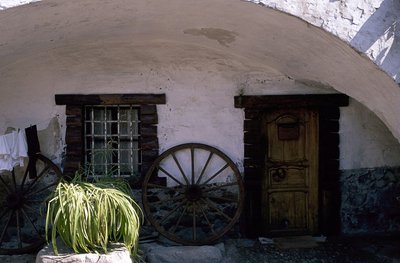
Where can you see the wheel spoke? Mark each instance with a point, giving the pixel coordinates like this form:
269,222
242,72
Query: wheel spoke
5,184
180,169
205,167
169,175
30,221
35,200
207,220
4,213
26,174
172,212
206,188
175,189
41,189
221,198
218,187
47,168
219,211
35,211
192,159
216,174
179,219
18,229
194,220
3,233
175,198
13,178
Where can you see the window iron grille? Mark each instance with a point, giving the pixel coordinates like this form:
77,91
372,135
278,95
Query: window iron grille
112,146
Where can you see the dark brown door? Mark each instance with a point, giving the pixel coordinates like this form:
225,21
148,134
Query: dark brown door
290,182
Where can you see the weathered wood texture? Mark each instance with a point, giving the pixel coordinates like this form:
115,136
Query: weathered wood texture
109,99
148,138
74,122
290,189
73,139
329,170
291,101
254,154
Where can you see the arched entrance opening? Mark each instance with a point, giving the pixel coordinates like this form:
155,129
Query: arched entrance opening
200,54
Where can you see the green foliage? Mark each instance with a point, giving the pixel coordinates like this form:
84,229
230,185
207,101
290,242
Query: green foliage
89,215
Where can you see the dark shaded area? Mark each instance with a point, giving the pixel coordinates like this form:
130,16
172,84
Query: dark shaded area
329,175
360,249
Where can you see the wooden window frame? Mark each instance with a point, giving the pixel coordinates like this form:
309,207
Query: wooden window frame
74,111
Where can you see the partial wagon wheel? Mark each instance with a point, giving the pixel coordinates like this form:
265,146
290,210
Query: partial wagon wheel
23,194
193,194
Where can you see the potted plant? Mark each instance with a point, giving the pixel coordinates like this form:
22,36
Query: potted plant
89,216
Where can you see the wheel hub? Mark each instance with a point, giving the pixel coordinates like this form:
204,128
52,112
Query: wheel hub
15,200
194,193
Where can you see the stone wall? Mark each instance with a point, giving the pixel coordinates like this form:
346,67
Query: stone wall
370,26
370,201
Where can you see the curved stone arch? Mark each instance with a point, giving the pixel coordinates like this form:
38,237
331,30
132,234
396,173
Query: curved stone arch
261,35
370,26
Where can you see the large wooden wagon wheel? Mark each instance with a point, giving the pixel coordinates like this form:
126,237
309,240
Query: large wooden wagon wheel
23,194
193,194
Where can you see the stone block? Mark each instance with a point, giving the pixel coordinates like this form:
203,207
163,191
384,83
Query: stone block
156,253
117,253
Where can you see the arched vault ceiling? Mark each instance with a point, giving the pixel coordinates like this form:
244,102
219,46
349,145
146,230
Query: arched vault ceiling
250,33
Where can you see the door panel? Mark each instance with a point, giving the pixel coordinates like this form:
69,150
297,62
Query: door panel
293,177
288,210
290,182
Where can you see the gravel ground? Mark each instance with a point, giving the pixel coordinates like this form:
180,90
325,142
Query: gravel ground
340,250
18,259
360,249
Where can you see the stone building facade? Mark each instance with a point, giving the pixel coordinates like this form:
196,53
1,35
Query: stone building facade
200,55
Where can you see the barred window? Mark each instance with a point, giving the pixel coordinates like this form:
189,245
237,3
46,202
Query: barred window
109,133
112,145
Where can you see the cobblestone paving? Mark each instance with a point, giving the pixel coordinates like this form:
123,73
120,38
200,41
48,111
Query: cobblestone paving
357,250
335,250
26,258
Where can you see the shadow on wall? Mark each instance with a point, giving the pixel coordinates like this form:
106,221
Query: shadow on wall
383,25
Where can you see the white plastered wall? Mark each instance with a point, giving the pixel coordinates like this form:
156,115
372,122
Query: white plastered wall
198,78
199,95
370,26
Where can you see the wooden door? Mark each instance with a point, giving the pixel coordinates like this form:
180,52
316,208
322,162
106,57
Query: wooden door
290,182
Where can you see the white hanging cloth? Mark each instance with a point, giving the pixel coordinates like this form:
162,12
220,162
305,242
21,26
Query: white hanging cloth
13,149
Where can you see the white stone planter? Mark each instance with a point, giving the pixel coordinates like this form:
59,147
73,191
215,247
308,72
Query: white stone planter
117,254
